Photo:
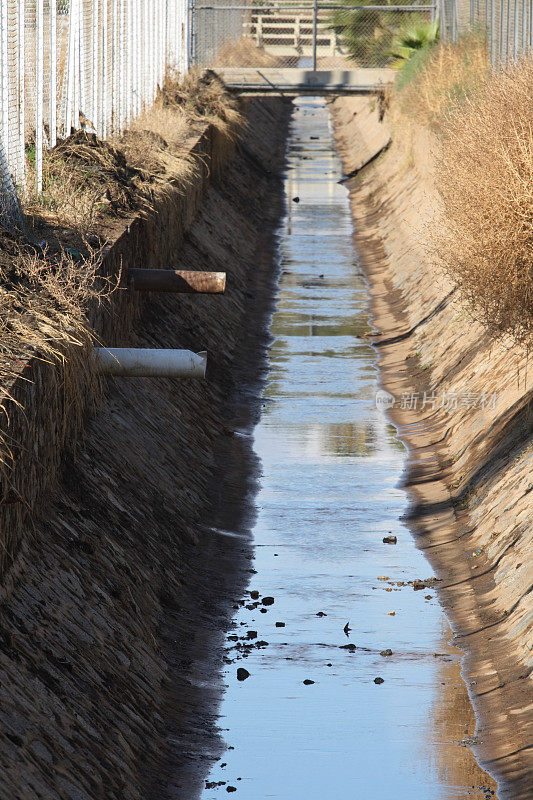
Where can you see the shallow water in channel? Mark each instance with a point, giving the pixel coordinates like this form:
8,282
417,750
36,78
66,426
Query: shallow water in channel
328,494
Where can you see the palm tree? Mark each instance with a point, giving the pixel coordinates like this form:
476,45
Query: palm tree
412,37
368,34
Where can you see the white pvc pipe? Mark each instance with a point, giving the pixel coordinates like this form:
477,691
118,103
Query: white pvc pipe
131,362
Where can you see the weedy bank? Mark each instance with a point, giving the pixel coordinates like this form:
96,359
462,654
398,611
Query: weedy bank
482,121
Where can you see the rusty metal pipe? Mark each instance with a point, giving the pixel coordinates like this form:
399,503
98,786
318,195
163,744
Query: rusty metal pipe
176,280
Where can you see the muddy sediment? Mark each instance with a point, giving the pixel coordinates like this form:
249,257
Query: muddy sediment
111,571
463,408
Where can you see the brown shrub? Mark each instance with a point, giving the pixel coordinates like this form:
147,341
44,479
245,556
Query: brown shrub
439,78
203,98
484,174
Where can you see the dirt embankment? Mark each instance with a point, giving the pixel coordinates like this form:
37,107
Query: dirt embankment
463,408
110,567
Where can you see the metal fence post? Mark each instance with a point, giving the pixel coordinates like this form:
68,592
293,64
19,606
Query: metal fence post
70,66
315,33
39,100
104,69
4,76
21,69
192,34
515,30
95,111
52,137
121,60
82,67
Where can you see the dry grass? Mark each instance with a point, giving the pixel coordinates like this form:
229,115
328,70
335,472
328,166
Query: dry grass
437,79
484,173
84,181
244,53
203,98
88,183
44,299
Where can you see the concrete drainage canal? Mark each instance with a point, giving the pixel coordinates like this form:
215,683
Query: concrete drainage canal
340,676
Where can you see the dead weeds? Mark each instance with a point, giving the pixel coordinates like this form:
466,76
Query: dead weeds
484,174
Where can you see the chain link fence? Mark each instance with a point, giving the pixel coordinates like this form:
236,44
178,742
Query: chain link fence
509,27
70,64
304,33
293,30
96,64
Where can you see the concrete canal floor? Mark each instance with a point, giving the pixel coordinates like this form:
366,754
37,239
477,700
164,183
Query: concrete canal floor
352,684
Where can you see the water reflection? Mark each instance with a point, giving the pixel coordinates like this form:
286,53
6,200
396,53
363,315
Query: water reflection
329,493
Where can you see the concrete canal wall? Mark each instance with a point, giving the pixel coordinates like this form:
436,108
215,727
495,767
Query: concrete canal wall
98,539
463,406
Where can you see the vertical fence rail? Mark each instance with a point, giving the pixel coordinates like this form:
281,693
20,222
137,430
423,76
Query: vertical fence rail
97,64
70,64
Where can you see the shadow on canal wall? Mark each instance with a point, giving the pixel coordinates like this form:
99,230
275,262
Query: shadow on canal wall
463,406
110,594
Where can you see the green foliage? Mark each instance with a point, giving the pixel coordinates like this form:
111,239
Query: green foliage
413,37
413,67
368,35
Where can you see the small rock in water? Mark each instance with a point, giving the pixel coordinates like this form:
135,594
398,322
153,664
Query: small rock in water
321,614
231,788
268,601
280,624
261,643
387,652
308,682
254,594
383,577
390,540
263,610
391,613
379,680
418,585
428,597
251,634
242,674
295,199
